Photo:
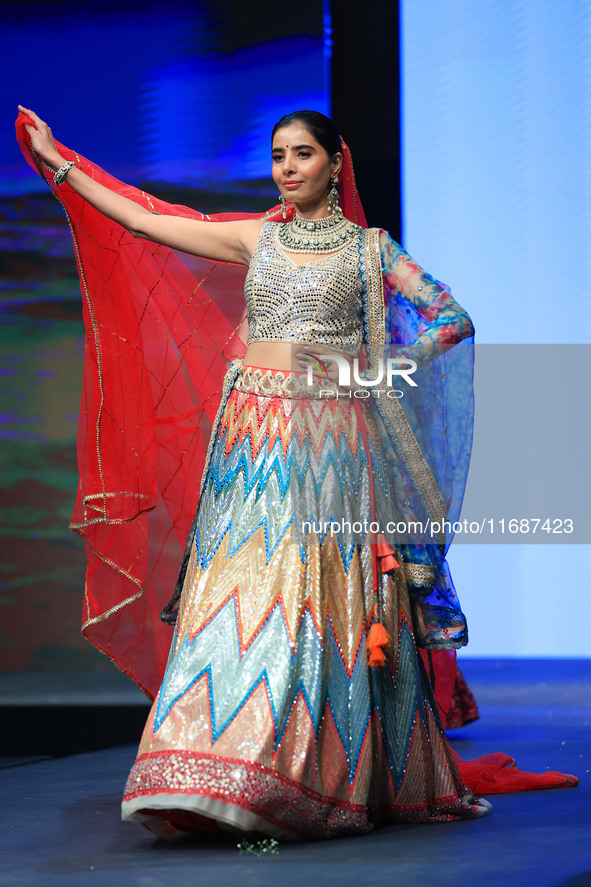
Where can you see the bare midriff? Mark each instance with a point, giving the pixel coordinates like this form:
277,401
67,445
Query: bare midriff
282,355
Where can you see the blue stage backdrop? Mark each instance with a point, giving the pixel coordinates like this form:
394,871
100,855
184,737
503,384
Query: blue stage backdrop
496,124
180,97
178,93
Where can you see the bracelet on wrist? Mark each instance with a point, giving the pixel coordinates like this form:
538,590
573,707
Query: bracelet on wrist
62,172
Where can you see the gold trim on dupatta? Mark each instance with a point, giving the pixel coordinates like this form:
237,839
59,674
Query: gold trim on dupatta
389,408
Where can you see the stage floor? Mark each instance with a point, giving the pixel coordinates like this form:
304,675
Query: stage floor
61,826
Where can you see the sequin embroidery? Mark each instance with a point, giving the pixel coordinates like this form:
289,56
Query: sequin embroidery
318,301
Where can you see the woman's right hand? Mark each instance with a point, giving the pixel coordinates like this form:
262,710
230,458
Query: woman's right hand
42,139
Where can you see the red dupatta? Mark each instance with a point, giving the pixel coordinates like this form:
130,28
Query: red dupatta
160,333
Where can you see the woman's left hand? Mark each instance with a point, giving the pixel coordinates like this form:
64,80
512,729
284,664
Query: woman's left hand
325,366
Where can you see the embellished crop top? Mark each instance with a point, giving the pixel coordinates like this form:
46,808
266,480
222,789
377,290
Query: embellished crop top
317,301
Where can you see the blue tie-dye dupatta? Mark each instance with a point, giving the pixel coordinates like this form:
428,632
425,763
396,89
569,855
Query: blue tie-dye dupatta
426,429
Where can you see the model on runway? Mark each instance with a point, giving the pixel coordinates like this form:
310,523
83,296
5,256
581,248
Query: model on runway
290,696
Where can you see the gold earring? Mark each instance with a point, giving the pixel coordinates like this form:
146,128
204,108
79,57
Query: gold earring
283,210
333,197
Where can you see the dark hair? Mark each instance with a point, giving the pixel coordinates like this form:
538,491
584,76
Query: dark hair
321,127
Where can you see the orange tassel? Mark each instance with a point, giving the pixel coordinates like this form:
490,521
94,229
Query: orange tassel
377,638
388,563
384,551
377,658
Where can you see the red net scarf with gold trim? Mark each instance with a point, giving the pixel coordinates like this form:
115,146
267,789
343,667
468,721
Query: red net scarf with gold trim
160,333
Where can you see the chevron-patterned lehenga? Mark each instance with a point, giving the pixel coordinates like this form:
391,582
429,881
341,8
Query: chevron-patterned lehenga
269,717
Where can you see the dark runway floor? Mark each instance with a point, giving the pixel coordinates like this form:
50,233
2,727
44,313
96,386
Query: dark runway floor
60,816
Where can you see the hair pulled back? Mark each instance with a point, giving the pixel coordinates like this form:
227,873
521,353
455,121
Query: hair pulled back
319,125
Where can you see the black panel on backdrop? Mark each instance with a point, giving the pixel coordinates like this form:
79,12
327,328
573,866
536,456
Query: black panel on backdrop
366,102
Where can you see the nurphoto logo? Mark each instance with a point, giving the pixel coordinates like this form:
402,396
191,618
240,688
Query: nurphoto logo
399,367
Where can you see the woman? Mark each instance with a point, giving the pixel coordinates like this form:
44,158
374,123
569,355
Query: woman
293,702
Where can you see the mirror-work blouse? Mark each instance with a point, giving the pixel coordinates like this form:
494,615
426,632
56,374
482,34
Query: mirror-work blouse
318,301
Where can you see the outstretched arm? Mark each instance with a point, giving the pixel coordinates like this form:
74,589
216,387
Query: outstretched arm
220,241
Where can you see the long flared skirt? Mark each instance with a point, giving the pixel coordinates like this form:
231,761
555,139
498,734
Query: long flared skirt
269,717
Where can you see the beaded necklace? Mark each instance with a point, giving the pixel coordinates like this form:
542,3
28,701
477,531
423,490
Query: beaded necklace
317,235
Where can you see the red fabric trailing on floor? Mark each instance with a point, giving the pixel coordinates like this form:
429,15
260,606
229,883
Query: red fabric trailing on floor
491,774
497,774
